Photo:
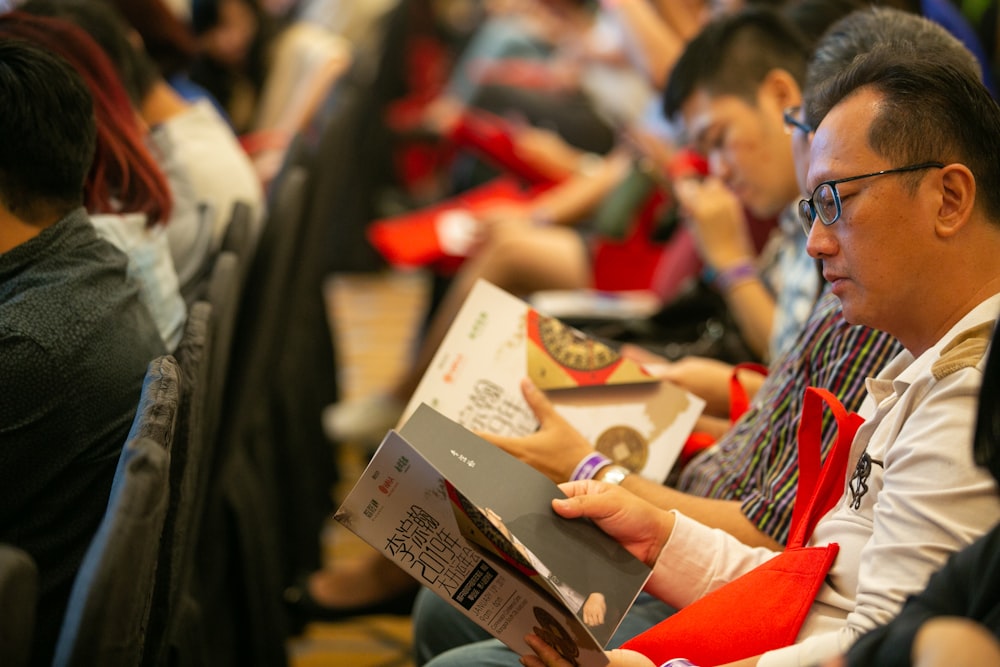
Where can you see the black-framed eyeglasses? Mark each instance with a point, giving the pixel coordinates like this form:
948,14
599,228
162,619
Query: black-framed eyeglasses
791,117
825,201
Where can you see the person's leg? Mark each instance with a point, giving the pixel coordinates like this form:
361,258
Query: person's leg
438,627
644,614
486,653
518,258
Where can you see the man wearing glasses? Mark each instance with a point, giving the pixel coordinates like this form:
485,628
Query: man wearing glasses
905,185
746,483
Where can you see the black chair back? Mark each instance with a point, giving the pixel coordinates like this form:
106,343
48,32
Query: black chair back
109,605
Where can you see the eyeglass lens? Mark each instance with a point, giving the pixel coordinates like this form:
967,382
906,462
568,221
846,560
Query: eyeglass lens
824,203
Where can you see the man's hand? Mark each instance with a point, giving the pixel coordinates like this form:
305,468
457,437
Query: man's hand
555,448
716,219
639,526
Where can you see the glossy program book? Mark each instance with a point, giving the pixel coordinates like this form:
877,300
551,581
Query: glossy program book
476,526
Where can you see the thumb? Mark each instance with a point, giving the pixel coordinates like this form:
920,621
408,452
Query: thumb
583,498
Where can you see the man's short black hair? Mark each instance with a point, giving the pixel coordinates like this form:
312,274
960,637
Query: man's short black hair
47,132
931,110
733,55
860,31
110,30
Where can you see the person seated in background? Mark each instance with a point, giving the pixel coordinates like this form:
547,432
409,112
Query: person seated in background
232,37
901,146
549,241
164,26
126,193
75,338
290,65
207,169
357,22
955,621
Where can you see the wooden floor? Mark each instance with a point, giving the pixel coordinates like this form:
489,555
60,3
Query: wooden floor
375,318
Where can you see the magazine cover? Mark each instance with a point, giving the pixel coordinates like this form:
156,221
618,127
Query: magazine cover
475,525
497,339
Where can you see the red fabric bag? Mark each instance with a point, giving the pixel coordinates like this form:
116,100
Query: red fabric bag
414,239
765,608
739,402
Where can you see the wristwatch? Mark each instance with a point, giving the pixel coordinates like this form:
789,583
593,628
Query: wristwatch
614,474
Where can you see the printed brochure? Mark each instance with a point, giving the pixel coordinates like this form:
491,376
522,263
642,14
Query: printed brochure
497,339
476,526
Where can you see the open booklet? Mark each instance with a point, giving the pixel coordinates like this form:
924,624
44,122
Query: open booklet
476,526
497,339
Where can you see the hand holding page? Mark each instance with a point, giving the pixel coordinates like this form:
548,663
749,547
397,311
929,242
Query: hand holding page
476,526
497,339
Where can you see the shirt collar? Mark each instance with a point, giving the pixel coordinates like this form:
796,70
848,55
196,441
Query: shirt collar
904,370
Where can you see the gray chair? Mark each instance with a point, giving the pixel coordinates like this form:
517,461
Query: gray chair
18,601
241,238
106,617
225,288
188,479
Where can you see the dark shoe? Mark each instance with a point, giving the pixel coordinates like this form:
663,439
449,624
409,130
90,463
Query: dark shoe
303,608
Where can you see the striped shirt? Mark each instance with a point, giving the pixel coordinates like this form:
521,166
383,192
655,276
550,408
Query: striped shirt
756,461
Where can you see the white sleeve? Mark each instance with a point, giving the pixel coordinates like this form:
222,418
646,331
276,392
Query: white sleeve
697,559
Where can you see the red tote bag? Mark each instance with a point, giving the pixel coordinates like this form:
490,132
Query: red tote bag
764,609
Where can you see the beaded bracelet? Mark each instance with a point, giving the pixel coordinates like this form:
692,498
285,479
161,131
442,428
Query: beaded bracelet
588,466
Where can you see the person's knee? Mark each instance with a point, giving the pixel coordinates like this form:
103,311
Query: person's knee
439,627
488,653
506,258
520,261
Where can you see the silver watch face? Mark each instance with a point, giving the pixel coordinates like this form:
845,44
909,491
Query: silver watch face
615,474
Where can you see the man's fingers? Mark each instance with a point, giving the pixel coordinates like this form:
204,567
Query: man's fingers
548,655
586,498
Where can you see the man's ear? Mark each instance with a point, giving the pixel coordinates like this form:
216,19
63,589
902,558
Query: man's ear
782,87
958,198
